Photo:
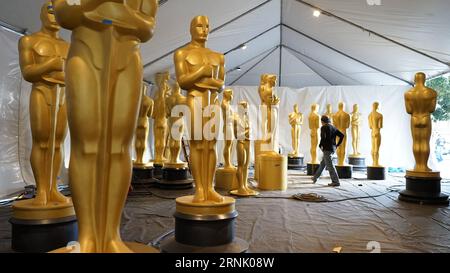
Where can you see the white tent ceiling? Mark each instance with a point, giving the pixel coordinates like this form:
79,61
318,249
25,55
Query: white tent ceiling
351,43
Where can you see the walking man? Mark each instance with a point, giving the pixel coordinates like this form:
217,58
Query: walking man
328,134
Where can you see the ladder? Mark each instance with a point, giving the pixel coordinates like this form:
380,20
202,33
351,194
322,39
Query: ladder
186,151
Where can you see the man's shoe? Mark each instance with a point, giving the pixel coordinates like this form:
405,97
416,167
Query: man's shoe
314,180
334,185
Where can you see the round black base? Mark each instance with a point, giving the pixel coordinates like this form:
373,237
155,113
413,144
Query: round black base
312,168
205,234
141,176
175,174
425,191
295,163
376,173
344,172
358,163
175,185
40,236
157,171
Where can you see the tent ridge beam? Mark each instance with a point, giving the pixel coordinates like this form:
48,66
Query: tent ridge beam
14,29
255,65
212,31
320,63
373,32
251,59
253,38
347,55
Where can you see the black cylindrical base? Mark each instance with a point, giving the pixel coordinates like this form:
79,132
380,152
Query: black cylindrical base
295,163
358,163
142,176
157,171
206,234
175,174
312,168
344,172
40,236
376,173
424,191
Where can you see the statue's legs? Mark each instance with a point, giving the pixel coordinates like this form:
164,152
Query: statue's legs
241,158
160,138
421,133
341,152
314,142
227,153
40,121
246,165
140,144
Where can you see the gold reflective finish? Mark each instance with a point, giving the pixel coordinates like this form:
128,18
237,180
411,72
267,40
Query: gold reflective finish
142,129
242,132
42,55
159,116
420,102
296,121
104,87
376,124
342,122
201,72
329,112
228,119
314,126
356,123
176,127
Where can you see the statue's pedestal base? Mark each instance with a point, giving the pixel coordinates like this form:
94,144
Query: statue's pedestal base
358,163
344,172
272,172
311,169
158,170
226,179
423,188
296,162
204,228
142,174
376,173
175,176
134,247
39,229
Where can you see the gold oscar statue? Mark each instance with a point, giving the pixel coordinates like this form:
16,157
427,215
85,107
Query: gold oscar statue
104,88
329,112
242,133
342,122
423,185
201,72
142,129
296,121
270,166
376,124
159,116
42,57
356,123
176,128
226,176
314,126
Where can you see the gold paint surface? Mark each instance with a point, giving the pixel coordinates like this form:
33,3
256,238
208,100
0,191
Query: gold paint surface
296,121
342,122
376,124
314,126
142,128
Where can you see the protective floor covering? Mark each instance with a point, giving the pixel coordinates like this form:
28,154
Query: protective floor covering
274,222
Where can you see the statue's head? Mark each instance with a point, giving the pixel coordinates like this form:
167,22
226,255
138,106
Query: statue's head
314,107
375,106
420,78
269,79
162,77
48,17
355,108
329,108
296,108
200,28
341,106
243,104
228,94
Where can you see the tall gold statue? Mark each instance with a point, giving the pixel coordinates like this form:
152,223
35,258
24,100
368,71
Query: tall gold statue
176,127
314,126
342,122
104,81
375,124
142,128
201,72
355,122
420,103
296,121
159,116
42,57
228,133
242,132
329,112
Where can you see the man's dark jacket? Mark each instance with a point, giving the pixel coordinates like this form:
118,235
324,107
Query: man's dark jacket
328,134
